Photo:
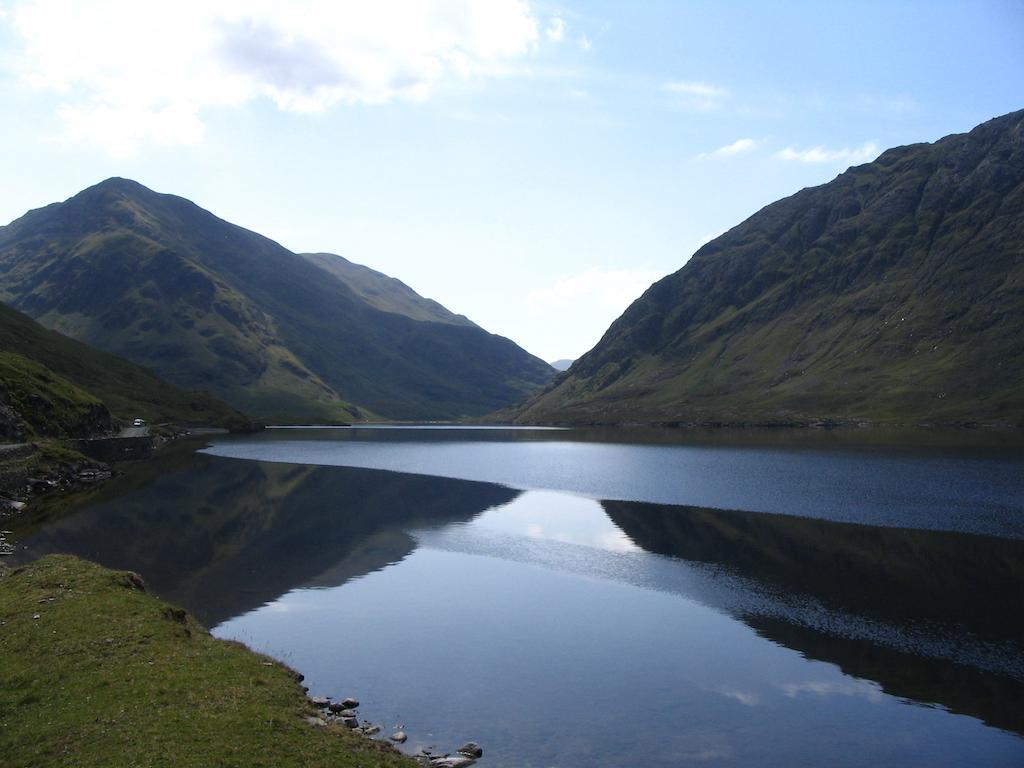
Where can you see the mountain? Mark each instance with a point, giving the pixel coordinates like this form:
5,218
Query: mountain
207,304
383,292
894,293
61,387
561,365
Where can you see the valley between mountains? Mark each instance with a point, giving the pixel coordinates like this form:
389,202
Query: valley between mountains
893,294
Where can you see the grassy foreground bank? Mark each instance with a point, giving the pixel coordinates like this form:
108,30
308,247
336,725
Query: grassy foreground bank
96,672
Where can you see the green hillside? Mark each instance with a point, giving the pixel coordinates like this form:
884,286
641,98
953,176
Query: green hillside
210,305
894,293
383,292
63,385
34,402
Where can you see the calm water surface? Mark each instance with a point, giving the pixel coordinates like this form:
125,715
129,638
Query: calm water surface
579,598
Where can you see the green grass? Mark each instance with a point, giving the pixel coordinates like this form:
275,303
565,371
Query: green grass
48,404
108,675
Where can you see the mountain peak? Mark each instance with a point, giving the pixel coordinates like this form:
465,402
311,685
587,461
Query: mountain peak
120,183
119,186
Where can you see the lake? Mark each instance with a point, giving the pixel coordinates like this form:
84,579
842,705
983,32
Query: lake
582,598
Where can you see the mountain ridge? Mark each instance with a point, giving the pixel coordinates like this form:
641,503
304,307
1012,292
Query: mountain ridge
385,292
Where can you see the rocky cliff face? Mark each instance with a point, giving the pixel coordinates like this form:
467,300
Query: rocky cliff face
894,293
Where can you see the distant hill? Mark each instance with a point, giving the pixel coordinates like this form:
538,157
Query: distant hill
207,304
561,365
894,293
386,293
60,387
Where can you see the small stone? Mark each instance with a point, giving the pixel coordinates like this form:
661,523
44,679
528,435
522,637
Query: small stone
35,615
336,706
347,713
315,721
471,749
350,722
459,761
319,701
371,730
350,703
399,736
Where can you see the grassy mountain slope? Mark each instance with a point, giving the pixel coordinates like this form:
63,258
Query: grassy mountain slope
894,293
383,292
208,304
74,377
35,402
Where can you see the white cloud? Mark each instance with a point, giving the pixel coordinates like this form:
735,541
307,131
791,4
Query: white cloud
821,688
847,155
556,29
585,43
130,72
747,698
594,288
737,147
697,96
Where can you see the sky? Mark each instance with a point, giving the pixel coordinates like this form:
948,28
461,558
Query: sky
532,165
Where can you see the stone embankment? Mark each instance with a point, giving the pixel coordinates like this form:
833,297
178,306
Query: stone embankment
25,472
108,449
345,712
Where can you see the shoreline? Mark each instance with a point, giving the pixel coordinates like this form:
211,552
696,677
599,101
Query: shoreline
243,707
76,476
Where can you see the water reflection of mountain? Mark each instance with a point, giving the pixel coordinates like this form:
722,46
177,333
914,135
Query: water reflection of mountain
905,608
962,591
222,537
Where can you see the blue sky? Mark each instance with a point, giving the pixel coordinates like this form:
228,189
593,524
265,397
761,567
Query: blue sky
531,165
